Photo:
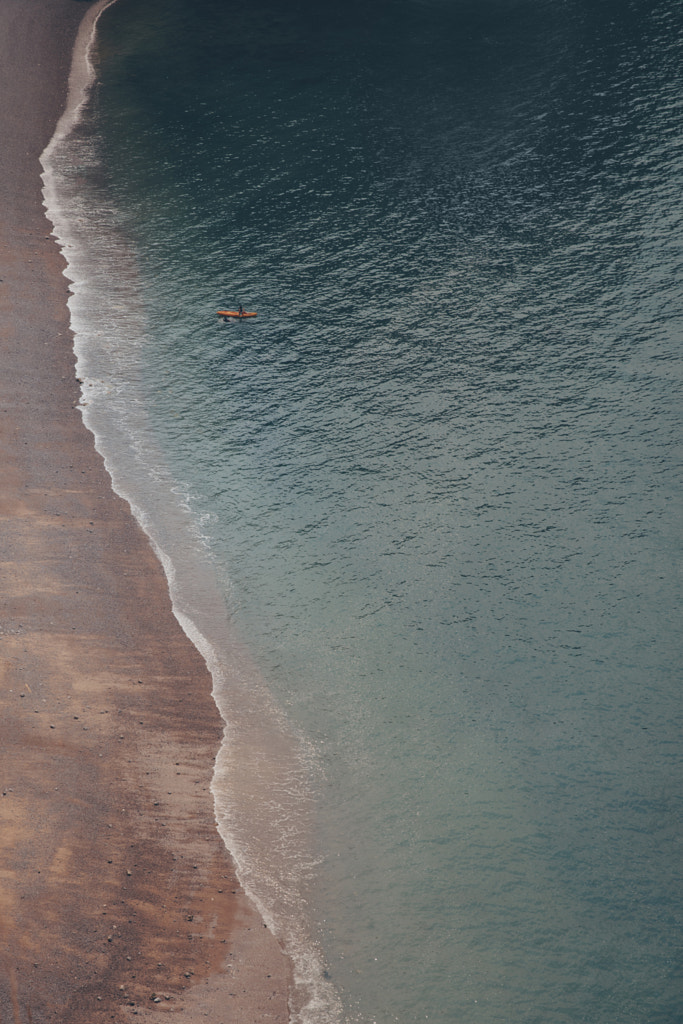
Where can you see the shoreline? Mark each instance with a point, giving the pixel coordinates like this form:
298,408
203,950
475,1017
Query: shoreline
115,888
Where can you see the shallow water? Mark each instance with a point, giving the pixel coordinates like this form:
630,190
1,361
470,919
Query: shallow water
423,513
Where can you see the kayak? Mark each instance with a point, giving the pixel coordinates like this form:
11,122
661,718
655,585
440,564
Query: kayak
226,313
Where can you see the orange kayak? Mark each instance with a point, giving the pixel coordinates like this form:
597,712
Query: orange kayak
225,313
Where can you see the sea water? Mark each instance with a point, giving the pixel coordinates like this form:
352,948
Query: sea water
422,515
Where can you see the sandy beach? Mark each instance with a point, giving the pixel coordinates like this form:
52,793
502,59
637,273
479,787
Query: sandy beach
117,897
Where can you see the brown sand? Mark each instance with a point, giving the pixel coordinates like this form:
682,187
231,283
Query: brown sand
114,884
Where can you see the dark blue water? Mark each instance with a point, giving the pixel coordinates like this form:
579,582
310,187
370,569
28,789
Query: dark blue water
425,509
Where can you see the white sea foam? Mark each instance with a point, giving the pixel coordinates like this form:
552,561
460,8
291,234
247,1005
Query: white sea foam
260,787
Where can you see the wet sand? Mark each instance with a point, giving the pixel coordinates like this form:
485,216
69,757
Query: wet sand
117,897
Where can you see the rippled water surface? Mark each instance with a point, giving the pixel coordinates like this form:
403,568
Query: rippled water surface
437,477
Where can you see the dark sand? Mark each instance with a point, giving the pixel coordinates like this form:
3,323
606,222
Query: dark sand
114,884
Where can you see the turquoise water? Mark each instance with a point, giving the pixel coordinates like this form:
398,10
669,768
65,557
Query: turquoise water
423,514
